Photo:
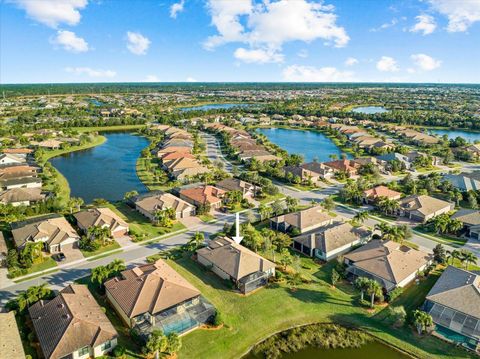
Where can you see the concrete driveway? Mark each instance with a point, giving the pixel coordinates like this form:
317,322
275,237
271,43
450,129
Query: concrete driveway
190,222
72,255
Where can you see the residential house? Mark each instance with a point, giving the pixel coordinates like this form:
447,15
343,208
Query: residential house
53,230
48,144
454,304
393,156
72,325
150,203
102,217
311,171
330,241
155,296
470,219
232,261
10,342
421,208
9,158
21,182
22,196
372,195
248,190
204,195
302,221
465,181
474,150
389,263
348,166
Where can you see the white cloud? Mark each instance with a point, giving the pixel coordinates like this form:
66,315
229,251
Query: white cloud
270,24
176,8
425,62
191,79
91,72
137,43
53,12
461,14
151,78
70,41
386,25
425,24
387,64
297,73
351,61
258,56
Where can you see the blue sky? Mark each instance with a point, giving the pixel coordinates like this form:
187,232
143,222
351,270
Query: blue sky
239,40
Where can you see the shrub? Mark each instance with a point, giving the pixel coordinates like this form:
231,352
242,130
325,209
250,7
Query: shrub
119,352
217,319
394,294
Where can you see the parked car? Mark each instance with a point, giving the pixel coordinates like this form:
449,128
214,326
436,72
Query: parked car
59,257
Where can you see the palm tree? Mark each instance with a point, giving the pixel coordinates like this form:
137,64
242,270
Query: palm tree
361,284
467,257
157,343
374,289
422,321
294,280
360,217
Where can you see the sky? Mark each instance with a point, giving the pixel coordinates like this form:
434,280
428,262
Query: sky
54,41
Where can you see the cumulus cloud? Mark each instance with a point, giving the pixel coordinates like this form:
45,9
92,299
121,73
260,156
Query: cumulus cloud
151,78
425,24
191,79
91,72
259,56
53,12
70,41
270,24
137,43
297,73
387,64
351,61
176,8
425,62
461,14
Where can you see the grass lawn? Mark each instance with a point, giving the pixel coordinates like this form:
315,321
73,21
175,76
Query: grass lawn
141,224
47,263
108,128
206,217
147,177
441,238
249,319
273,198
103,249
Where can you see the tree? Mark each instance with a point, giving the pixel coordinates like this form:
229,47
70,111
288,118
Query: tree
361,284
198,239
285,258
374,289
294,280
328,204
360,216
472,200
439,254
422,321
130,194
157,343
174,343
467,257
99,275
264,211
277,207
335,277
32,295
291,203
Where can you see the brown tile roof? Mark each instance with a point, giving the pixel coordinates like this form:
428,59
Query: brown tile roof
343,165
161,201
204,194
18,150
99,217
21,195
150,288
175,155
70,321
468,216
234,184
10,341
234,259
423,204
305,218
388,260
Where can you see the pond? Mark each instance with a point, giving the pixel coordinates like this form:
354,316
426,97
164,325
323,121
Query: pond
467,135
106,171
214,106
309,144
368,351
369,110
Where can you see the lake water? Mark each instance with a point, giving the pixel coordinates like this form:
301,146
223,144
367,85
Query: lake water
215,106
309,144
467,135
106,171
369,110
367,351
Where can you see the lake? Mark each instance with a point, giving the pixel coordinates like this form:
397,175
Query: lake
367,351
369,110
106,171
309,144
467,135
214,106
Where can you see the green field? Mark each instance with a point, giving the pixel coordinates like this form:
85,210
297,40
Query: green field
102,249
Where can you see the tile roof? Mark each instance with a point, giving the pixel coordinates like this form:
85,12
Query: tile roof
305,218
70,321
150,288
161,201
99,217
424,204
10,342
468,216
204,194
381,191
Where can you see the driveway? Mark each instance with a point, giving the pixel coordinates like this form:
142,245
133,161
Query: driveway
123,241
72,255
190,222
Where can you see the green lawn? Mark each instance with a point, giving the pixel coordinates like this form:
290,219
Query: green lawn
147,177
108,128
249,319
206,217
103,249
47,263
441,238
140,223
269,199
